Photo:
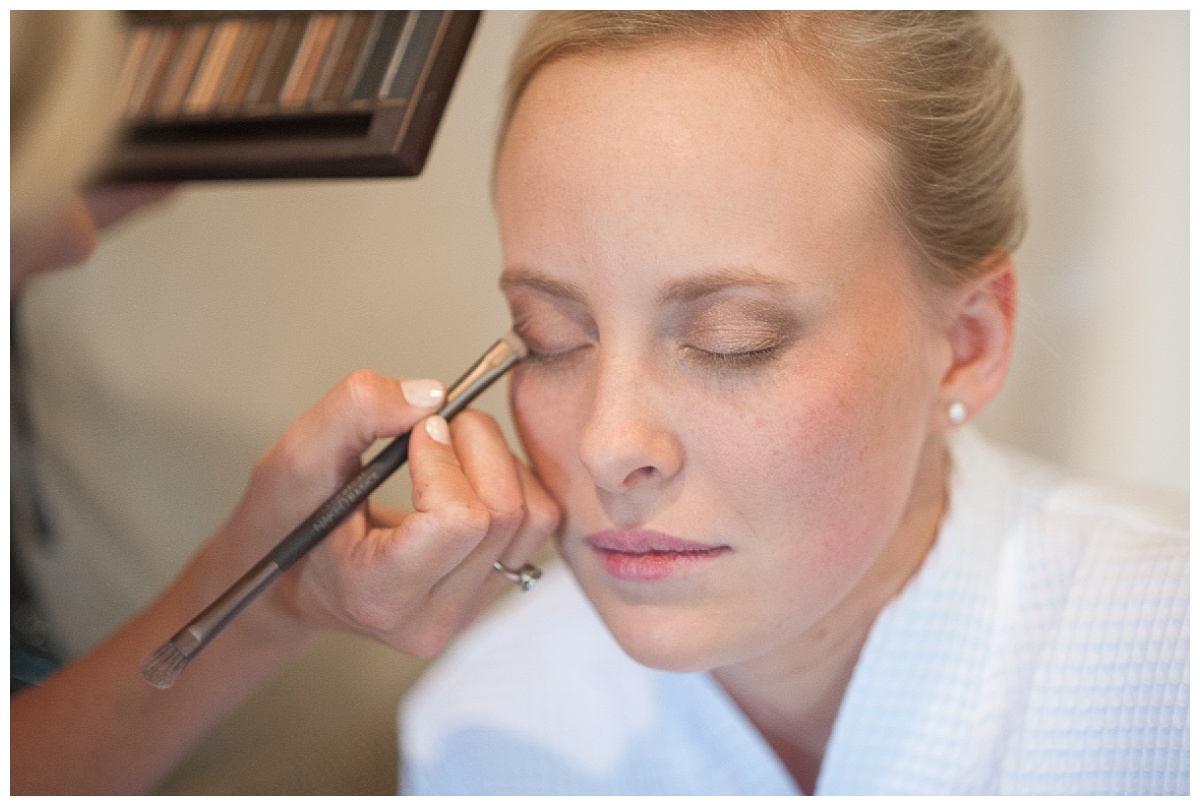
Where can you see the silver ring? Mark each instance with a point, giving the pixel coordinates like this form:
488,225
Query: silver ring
526,576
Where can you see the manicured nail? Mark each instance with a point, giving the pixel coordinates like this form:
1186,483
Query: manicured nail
438,429
423,393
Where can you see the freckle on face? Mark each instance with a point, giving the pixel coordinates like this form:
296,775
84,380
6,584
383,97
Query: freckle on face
626,176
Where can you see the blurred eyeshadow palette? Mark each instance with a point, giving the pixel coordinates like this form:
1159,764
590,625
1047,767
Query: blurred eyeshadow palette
285,94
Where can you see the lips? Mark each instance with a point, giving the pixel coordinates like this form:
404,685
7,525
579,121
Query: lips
646,556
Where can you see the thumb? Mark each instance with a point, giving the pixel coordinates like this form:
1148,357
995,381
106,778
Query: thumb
326,443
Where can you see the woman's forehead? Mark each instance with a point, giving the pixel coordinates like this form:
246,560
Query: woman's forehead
675,157
691,118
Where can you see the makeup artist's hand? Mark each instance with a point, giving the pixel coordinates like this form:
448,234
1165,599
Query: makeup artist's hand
408,580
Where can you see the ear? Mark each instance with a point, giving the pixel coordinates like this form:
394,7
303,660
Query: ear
979,328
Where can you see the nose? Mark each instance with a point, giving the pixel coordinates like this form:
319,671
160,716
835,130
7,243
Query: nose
627,440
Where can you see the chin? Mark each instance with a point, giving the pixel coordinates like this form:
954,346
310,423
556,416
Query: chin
670,636
668,644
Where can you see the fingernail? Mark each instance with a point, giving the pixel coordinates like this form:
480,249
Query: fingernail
438,429
423,393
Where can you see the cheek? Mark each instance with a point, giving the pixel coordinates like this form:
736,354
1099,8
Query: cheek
794,460
543,417
822,464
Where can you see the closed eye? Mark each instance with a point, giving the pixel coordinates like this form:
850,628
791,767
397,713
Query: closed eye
733,359
539,356
548,345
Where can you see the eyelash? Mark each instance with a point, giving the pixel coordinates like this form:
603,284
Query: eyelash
752,359
535,357
748,359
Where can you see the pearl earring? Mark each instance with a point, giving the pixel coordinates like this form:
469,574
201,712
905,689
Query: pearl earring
957,412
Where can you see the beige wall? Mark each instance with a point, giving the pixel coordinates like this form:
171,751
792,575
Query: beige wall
197,333
1101,374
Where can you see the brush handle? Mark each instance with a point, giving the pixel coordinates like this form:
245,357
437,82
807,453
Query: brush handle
326,518
494,363
317,526
202,629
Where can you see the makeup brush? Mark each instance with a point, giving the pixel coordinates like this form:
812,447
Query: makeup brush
162,667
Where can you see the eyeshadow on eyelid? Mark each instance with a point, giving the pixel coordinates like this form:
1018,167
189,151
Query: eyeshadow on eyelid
740,334
735,326
545,326
745,314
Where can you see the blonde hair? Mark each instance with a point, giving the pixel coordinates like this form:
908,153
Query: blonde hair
935,86
62,109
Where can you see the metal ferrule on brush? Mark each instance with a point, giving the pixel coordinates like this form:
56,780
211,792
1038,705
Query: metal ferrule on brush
494,363
192,638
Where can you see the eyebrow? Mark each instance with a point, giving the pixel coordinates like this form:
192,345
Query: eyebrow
511,278
692,288
684,290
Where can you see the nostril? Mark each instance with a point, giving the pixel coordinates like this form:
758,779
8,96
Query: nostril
640,475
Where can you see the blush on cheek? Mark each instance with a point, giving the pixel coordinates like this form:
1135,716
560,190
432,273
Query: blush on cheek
824,435
811,463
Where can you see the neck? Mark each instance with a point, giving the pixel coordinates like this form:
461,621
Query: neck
793,694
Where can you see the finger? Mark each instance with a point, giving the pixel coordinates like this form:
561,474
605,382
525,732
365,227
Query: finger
448,520
112,203
74,237
542,519
514,547
434,568
460,597
380,578
492,471
381,516
326,443
62,240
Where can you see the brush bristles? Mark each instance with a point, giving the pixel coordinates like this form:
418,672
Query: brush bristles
515,343
161,668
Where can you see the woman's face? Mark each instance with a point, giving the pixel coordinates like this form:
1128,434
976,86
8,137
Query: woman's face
733,371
